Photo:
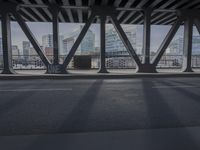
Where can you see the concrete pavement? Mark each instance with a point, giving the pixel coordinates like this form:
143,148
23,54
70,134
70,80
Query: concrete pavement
60,106
149,112
152,139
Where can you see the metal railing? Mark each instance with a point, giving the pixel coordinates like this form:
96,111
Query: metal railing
33,62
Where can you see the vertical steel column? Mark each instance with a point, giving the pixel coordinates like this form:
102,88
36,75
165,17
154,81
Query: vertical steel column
102,68
55,24
146,66
187,47
55,67
146,36
6,41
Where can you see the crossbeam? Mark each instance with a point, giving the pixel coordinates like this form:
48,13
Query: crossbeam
197,24
31,37
166,42
78,40
6,42
125,39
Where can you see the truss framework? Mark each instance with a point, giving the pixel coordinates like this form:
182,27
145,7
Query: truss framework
186,17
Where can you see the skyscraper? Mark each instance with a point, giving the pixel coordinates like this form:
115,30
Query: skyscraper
67,44
87,45
176,46
26,49
15,52
47,42
114,43
88,42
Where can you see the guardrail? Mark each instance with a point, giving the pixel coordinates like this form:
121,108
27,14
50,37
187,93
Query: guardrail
33,62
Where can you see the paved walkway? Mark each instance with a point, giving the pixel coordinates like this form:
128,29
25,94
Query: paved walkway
154,139
142,114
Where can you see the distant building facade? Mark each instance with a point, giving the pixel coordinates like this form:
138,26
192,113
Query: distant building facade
1,46
1,53
196,45
114,43
26,49
87,45
67,44
176,46
47,42
15,52
49,53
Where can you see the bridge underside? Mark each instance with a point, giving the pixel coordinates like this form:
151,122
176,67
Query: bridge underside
117,12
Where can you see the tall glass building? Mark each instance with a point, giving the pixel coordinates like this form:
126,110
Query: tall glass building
114,43
87,45
26,49
176,46
47,42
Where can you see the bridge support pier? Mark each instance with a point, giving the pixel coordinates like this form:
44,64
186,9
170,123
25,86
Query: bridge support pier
56,69
6,43
55,25
146,68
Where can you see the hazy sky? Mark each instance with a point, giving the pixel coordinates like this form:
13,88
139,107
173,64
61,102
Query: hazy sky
40,29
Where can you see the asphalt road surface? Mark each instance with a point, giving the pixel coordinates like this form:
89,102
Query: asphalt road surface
63,106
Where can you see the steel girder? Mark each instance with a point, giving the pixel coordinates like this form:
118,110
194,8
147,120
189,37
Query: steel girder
187,16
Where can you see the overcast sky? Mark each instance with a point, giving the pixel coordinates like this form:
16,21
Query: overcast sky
40,29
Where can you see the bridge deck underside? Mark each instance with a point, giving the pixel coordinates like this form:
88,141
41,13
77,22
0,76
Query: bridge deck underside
40,14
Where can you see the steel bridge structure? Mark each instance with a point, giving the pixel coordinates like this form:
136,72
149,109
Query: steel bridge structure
116,12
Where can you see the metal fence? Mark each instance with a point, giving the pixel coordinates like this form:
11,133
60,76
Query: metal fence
33,62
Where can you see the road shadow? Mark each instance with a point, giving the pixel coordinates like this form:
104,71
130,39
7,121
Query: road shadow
11,107
77,120
182,90
161,116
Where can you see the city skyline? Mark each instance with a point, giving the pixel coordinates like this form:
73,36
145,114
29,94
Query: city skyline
158,33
